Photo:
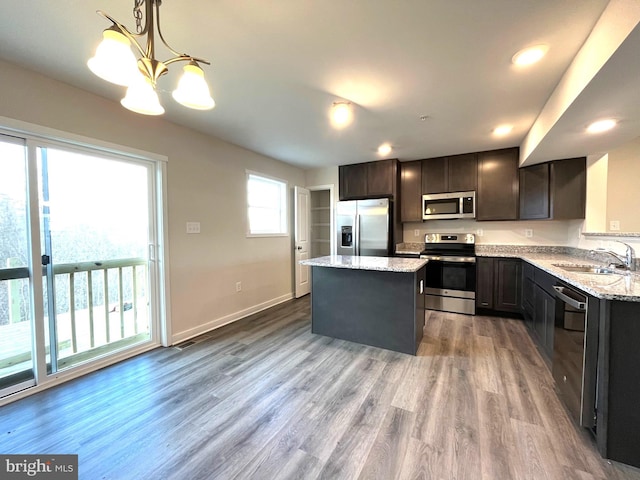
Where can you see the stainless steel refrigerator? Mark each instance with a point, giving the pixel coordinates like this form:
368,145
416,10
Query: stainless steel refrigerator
364,227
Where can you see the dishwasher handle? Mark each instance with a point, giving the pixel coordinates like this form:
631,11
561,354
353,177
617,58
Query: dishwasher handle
575,303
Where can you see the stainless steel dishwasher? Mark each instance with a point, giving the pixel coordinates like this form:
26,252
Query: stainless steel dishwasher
575,349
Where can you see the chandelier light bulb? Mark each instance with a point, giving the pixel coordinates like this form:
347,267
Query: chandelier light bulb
114,61
341,114
142,98
193,91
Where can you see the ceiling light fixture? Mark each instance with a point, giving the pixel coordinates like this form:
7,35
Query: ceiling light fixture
115,62
602,125
384,149
341,114
502,130
529,55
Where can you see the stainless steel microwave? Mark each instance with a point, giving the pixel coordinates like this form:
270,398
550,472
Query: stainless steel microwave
444,206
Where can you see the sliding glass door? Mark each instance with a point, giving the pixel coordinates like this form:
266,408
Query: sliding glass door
95,233
87,288
16,314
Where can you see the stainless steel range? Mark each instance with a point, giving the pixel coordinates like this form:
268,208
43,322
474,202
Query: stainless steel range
451,272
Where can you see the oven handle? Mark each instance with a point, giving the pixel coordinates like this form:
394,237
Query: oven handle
445,259
567,299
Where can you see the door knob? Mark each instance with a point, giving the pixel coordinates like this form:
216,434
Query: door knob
298,248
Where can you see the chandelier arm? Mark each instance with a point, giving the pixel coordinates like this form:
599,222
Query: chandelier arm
125,31
186,58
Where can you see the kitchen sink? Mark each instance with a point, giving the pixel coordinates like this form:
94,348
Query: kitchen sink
596,269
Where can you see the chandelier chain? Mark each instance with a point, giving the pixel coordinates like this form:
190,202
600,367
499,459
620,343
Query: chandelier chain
137,14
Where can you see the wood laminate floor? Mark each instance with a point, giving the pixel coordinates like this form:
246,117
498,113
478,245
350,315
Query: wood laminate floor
265,399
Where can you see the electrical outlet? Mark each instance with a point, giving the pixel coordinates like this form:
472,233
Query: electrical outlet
416,233
528,232
480,232
614,225
238,286
193,227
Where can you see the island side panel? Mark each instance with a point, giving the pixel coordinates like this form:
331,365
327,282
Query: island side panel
366,306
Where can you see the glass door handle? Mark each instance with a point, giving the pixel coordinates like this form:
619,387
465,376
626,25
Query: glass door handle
46,259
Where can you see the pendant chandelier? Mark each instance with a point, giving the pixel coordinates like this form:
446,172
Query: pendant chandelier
115,62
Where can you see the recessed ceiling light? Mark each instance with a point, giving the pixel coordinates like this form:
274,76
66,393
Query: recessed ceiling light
384,149
341,114
601,125
529,55
502,130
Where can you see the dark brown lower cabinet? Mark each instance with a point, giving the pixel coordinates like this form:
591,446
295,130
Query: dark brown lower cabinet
498,284
484,282
544,319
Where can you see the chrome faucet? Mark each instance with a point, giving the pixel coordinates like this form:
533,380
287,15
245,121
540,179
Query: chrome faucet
627,261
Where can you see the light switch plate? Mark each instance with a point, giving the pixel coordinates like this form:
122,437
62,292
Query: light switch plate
614,225
193,227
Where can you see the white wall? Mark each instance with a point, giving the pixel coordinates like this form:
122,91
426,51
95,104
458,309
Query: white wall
206,183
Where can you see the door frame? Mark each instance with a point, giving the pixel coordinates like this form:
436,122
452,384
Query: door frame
159,252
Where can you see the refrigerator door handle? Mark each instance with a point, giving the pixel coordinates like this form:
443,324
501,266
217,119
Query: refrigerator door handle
356,250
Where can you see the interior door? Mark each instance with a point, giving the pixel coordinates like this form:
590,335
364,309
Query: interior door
302,208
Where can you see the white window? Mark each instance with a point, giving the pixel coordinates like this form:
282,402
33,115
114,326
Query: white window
266,205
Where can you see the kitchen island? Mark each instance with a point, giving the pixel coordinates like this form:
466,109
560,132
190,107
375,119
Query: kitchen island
375,301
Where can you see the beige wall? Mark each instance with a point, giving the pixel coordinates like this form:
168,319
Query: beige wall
623,187
323,176
206,184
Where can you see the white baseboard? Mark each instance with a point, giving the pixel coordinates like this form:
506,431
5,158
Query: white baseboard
227,319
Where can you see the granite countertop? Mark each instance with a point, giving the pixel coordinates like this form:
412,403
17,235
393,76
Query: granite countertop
624,286
382,264
409,248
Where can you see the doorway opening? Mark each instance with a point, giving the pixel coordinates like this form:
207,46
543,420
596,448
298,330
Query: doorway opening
321,221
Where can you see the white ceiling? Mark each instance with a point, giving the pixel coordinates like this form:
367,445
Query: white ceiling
278,65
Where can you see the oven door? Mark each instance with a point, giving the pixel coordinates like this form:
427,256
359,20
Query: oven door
452,276
451,284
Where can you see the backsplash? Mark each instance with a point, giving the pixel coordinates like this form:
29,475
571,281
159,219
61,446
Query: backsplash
497,233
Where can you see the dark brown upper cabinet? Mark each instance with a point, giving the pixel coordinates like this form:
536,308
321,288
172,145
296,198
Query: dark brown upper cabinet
534,192
353,181
368,180
456,173
497,194
411,191
554,190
